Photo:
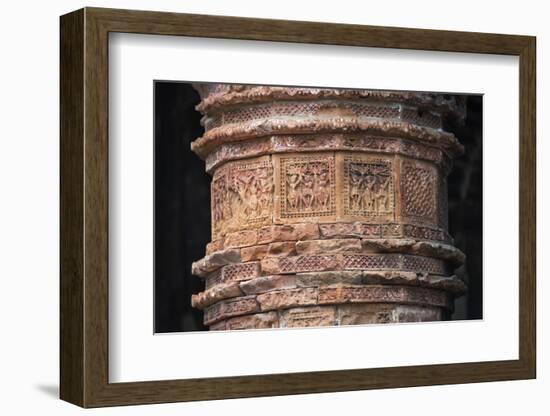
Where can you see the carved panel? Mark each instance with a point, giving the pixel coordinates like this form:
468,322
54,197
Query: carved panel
375,261
424,233
368,188
241,195
289,143
240,271
305,188
383,294
371,262
258,320
233,273
308,317
228,308
419,191
296,264
425,264
422,118
302,109
443,203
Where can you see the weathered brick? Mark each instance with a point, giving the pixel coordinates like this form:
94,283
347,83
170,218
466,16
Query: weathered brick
349,229
240,271
308,317
328,278
439,250
382,294
340,230
229,308
253,252
283,248
328,246
213,246
215,294
384,245
412,313
266,283
364,314
296,264
219,326
241,239
287,298
214,261
213,278
256,321
295,232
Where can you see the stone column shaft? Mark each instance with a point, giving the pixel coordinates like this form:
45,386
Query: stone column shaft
329,207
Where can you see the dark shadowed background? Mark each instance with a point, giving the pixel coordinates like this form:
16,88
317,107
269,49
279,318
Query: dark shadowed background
182,207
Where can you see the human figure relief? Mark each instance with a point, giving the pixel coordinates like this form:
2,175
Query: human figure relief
369,193
322,191
218,200
293,179
222,202
250,200
356,185
237,190
383,194
263,189
308,187
368,188
307,193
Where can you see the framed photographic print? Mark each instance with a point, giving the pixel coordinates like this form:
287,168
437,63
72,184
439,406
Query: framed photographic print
256,207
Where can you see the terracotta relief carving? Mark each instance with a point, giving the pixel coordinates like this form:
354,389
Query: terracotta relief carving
306,187
419,192
368,188
328,207
241,194
443,203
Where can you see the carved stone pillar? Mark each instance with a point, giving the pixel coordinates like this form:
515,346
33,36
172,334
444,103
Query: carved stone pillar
329,207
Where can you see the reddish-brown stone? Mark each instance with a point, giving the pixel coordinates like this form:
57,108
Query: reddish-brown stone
232,307
267,283
240,271
215,260
214,246
328,246
308,317
296,264
241,239
282,249
376,294
295,232
215,294
254,252
255,321
364,314
218,326
283,299
328,206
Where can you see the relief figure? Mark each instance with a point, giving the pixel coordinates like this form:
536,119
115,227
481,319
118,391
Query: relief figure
308,187
369,188
241,195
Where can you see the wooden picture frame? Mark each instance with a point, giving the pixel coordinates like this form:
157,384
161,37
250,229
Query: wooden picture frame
84,207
